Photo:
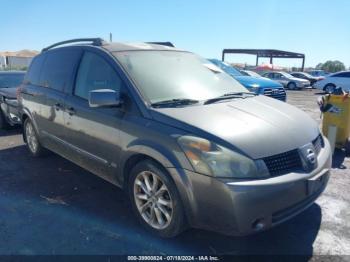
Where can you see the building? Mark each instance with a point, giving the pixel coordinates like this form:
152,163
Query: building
16,60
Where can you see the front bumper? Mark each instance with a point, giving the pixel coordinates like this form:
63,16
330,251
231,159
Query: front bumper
246,207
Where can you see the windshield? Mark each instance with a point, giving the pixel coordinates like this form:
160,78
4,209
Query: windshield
317,73
307,75
166,75
10,80
226,67
287,75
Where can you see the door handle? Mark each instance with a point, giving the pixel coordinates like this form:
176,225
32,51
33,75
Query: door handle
58,106
71,111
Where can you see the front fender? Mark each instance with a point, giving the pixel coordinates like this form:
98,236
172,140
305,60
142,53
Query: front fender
170,156
174,162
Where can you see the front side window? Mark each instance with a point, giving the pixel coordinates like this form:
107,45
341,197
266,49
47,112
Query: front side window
95,73
167,75
285,75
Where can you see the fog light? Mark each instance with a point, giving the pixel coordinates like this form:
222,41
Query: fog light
258,224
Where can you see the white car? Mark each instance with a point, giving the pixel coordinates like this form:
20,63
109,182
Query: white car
340,79
287,80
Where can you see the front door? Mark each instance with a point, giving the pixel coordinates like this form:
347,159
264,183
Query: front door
93,133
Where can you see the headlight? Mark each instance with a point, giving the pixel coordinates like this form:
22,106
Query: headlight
254,87
213,160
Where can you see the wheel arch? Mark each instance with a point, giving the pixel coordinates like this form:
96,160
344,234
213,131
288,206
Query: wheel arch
329,84
26,114
142,150
24,117
169,164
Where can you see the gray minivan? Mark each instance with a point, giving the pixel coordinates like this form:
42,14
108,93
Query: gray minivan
188,143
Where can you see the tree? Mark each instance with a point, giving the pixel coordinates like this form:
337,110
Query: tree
331,66
319,65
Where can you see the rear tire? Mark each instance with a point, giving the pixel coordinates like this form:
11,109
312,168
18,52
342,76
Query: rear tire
347,148
329,88
32,140
292,86
155,199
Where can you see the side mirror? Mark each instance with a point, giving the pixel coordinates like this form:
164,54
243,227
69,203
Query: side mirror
104,98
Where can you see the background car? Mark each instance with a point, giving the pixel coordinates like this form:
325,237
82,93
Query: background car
287,80
340,79
258,85
9,81
306,76
317,73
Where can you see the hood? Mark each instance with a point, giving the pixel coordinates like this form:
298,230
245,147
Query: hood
257,126
258,82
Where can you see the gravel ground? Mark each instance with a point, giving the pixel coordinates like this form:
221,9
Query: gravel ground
51,206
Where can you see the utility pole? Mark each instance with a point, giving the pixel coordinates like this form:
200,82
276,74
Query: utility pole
110,37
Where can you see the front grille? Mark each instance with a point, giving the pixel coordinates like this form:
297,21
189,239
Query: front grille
284,163
277,93
290,161
318,143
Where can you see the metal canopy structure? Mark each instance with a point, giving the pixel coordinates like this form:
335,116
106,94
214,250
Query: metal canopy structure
266,53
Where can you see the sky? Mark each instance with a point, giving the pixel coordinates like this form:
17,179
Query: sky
318,28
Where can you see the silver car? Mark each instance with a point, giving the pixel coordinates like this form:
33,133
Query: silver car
188,143
287,80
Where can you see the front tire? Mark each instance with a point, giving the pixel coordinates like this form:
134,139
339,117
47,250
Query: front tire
292,86
155,199
329,88
31,139
347,147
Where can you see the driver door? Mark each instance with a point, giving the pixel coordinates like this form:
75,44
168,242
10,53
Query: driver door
93,133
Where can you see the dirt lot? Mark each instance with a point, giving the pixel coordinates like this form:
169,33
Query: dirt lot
50,206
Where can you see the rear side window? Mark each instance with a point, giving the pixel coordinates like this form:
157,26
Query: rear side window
33,75
95,73
58,68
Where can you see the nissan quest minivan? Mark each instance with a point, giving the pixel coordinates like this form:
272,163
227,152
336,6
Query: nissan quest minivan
188,143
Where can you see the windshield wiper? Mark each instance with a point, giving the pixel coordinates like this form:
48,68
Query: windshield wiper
229,96
175,102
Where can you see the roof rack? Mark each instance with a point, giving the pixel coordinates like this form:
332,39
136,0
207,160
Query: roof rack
170,44
94,41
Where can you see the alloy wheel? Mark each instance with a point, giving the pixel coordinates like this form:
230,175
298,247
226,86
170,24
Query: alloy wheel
32,141
292,86
329,89
153,200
